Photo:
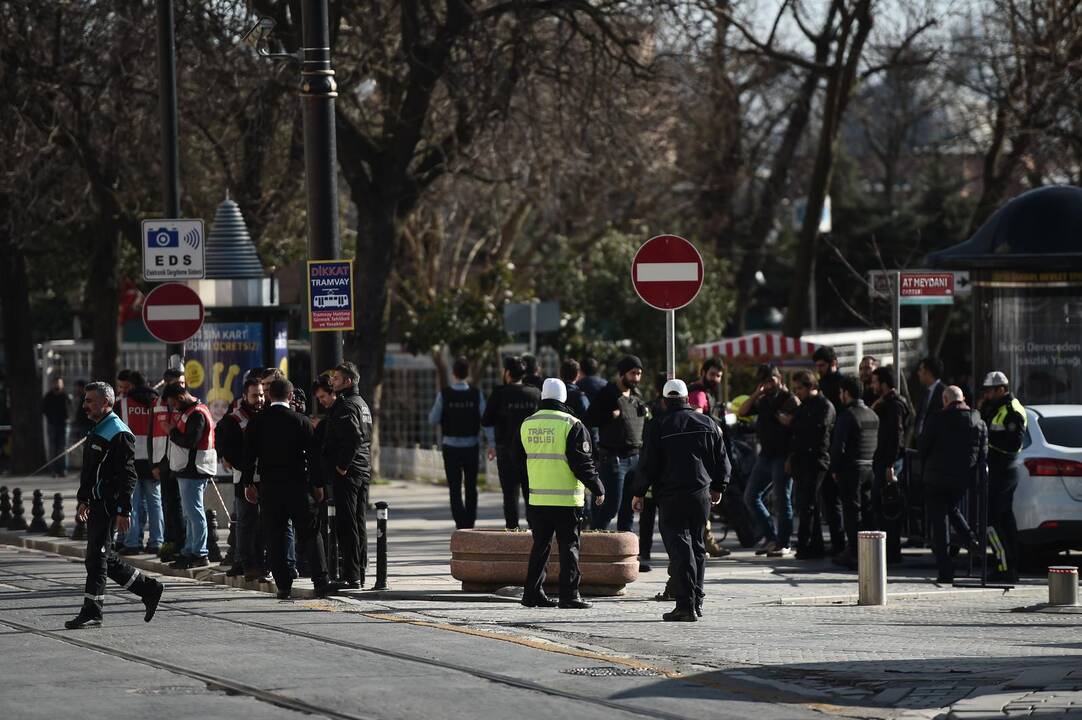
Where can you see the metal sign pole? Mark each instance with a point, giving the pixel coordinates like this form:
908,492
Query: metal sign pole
670,344
896,322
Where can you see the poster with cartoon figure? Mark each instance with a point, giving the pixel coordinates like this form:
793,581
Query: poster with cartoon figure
217,359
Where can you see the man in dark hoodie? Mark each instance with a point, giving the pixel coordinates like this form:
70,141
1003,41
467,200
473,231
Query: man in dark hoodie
135,409
560,462
619,413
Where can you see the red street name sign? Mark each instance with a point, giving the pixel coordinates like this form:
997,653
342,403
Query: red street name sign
930,288
667,272
172,312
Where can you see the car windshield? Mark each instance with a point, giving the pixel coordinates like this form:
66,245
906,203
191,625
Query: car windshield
1064,431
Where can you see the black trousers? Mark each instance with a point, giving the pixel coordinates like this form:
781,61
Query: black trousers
944,512
563,522
1002,482
831,510
173,526
278,504
351,528
511,464
249,551
892,526
461,464
646,527
807,481
683,520
102,561
855,487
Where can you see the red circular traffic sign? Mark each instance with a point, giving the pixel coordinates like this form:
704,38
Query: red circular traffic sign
667,272
172,312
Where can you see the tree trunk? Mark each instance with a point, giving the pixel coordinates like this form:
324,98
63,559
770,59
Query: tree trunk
28,453
103,297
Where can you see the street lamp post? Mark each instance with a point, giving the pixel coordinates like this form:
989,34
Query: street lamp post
167,84
318,91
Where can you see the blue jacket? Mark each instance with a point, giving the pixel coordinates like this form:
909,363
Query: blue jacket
108,471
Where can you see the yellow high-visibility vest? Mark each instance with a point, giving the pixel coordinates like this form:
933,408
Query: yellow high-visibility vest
544,437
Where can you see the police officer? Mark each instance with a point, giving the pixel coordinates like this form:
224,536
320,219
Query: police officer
852,450
1006,420
193,459
347,454
457,410
105,487
508,405
559,461
685,465
278,441
134,408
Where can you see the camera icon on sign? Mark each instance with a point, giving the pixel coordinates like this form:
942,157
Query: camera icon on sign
163,238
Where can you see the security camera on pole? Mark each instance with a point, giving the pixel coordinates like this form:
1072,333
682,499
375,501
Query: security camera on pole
667,272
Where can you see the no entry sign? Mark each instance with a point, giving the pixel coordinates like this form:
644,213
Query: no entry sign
667,272
172,312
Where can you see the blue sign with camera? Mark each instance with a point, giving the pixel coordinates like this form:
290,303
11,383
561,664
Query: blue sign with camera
173,250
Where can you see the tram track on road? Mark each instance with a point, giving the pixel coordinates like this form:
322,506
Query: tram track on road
242,688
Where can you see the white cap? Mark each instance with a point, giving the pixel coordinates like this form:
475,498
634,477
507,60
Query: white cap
994,379
675,388
554,389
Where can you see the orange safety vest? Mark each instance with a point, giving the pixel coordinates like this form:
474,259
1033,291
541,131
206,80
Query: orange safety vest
136,416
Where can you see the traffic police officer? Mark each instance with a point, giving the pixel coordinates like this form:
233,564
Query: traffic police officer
685,464
105,488
1006,420
852,451
559,462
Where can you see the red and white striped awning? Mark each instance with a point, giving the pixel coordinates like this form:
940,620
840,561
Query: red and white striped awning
756,347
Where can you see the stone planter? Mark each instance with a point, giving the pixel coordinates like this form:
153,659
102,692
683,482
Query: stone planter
485,560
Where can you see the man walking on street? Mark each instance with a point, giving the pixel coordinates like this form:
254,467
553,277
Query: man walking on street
193,460
56,406
686,467
508,405
105,485
457,410
229,441
852,450
1006,421
808,463
278,441
770,404
347,453
619,413
135,410
560,462
894,413
953,450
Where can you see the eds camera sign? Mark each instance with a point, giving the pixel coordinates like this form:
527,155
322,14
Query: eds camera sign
173,250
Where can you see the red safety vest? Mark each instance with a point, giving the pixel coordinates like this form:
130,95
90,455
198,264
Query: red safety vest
136,416
206,457
159,437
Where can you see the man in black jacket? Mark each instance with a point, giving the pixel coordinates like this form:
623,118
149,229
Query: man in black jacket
686,467
229,441
953,452
619,414
105,487
347,453
457,409
894,413
577,401
852,450
507,406
809,460
56,406
278,442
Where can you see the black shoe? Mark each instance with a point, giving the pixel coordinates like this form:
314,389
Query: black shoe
151,600
679,615
699,609
126,550
664,597
345,585
153,549
284,594
235,571
198,562
322,591
541,600
575,603
943,580
83,620
644,567
817,554
182,563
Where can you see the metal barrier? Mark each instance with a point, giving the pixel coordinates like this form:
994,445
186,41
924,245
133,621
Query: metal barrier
872,567
381,546
1062,585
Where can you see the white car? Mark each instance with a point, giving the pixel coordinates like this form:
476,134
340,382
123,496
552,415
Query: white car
1048,502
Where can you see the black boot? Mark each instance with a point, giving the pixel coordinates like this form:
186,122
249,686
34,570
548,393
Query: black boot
575,603
680,615
541,600
87,618
151,599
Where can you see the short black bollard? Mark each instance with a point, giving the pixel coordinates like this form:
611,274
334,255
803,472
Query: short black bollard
18,522
57,528
214,553
37,511
5,508
381,546
231,555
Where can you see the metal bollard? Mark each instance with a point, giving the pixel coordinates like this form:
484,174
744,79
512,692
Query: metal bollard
214,553
381,546
330,540
57,528
18,522
872,567
5,508
1062,585
37,510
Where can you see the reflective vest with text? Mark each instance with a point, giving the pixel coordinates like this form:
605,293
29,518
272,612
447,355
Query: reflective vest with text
551,482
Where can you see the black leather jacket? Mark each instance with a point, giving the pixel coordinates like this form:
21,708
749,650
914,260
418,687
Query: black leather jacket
347,442
683,454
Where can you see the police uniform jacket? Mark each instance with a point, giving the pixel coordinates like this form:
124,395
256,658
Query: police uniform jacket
348,440
507,407
855,436
108,472
1006,431
683,455
277,444
578,451
953,447
621,435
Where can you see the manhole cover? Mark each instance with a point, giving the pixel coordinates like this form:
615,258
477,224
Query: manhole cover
611,672
171,690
